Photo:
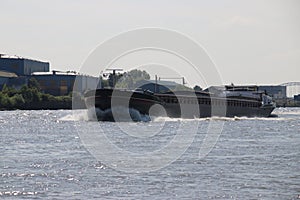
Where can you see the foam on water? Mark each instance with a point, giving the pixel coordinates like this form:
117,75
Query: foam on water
287,111
77,115
215,118
106,115
122,115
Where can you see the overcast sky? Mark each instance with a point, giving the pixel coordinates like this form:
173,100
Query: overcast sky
251,41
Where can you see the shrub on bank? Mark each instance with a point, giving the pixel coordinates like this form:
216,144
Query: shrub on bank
30,97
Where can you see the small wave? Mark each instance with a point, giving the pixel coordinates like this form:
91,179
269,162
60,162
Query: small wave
250,118
263,118
123,115
77,115
216,118
17,193
287,111
97,114
163,119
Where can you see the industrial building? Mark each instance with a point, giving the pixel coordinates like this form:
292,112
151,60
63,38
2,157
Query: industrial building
62,83
22,66
15,72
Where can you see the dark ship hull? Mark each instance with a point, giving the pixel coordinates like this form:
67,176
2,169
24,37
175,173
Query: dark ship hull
182,104
205,105
105,99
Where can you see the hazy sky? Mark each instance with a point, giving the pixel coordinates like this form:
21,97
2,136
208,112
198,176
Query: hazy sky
251,41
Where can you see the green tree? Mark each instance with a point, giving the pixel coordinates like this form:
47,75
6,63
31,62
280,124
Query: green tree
47,98
30,95
129,79
5,101
33,83
17,100
104,83
5,89
9,90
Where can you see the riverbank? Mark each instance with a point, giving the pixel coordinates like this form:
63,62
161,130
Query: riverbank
31,98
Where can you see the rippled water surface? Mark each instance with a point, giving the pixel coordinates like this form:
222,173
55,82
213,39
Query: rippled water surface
43,156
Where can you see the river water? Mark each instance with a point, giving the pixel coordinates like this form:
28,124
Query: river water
45,155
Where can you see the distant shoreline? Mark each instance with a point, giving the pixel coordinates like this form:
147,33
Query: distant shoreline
30,97
65,104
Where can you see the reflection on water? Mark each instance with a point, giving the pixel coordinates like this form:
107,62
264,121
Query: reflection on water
42,156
